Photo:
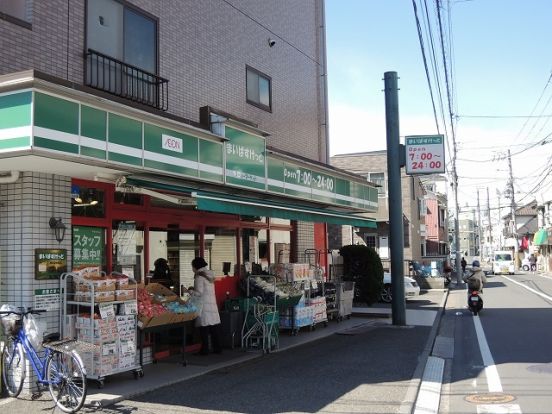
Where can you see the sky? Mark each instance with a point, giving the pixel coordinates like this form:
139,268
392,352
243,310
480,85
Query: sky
501,65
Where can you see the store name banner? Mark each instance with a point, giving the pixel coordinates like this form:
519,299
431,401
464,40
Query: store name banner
93,134
245,159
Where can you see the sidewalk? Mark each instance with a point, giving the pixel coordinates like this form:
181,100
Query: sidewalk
373,324
162,374
171,371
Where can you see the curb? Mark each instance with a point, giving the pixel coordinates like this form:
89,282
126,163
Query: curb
415,383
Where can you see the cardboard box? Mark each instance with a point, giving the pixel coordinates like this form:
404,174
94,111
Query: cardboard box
160,293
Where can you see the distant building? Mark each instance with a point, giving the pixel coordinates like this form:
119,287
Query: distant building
436,222
373,166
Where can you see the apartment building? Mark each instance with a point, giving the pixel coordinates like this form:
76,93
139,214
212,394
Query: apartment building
166,129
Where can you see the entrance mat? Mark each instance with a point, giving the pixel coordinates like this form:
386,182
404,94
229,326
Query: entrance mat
359,329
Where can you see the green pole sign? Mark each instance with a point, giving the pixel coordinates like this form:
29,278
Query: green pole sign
88,246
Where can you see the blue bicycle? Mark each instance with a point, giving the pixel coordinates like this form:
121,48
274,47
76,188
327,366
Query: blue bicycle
61,369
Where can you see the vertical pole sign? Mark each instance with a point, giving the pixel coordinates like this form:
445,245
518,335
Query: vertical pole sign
425,154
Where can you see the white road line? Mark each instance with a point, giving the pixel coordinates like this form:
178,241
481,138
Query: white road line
493,380
536,292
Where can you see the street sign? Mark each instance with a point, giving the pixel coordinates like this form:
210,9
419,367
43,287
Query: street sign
425,154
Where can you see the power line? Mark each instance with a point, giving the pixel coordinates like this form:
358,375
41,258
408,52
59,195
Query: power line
272,32
420,38
503,116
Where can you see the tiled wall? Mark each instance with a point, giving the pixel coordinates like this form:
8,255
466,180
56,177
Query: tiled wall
25,209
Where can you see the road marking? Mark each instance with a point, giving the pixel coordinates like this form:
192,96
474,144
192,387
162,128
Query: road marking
493,379
429,395
498,409
536,292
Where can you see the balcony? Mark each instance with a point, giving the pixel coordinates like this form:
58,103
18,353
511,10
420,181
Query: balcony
121,79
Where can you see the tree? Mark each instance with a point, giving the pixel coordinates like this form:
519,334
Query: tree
362,265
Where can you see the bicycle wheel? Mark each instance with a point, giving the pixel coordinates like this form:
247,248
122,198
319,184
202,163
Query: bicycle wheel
66,381
13,363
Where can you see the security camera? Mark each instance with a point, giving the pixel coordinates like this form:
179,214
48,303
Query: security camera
271,42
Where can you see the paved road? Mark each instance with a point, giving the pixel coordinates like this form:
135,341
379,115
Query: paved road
368,370
518,365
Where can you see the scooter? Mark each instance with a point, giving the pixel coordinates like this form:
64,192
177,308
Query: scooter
475,302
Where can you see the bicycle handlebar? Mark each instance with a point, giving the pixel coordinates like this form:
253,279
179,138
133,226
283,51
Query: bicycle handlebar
29,311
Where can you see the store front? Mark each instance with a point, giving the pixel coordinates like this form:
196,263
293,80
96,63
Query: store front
117,189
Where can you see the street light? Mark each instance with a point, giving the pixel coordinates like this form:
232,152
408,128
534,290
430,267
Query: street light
59,228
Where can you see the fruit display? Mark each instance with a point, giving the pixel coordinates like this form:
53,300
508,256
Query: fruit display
158,305
146,306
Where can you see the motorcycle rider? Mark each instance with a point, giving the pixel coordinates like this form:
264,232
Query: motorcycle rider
476,279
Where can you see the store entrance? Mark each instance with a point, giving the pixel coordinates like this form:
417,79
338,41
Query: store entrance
177,248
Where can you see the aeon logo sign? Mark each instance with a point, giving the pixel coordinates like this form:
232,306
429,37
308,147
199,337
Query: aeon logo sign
171,143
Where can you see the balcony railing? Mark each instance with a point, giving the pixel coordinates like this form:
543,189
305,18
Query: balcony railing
111,75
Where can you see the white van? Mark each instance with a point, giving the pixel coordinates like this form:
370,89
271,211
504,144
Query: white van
503,262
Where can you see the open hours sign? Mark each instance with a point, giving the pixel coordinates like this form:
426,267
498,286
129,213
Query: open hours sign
425,154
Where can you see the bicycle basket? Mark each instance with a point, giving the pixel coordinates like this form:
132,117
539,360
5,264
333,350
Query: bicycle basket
11,324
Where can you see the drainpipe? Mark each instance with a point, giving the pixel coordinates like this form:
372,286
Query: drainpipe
12,177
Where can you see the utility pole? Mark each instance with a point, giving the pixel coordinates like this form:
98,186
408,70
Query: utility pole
479,226
513,208
490,222
394,162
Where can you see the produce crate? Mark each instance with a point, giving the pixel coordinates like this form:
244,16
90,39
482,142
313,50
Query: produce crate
162,294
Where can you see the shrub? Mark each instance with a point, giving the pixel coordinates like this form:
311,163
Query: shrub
362,265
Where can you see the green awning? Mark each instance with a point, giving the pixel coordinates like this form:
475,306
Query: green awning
250,207
243,206
540,238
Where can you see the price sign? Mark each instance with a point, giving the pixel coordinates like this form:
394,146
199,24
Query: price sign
425,154
106,310
131,308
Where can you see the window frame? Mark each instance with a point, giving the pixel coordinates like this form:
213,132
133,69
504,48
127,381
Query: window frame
260,75
16,20
383,187
135,9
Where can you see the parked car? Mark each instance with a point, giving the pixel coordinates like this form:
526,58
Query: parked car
411,288
525,264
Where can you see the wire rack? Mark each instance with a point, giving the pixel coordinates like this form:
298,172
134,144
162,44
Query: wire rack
69,345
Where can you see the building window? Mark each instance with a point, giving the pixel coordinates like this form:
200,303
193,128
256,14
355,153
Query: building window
259,89
371,241
16,11
441,217
122,33
87,201
406,231
122,53
378,178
